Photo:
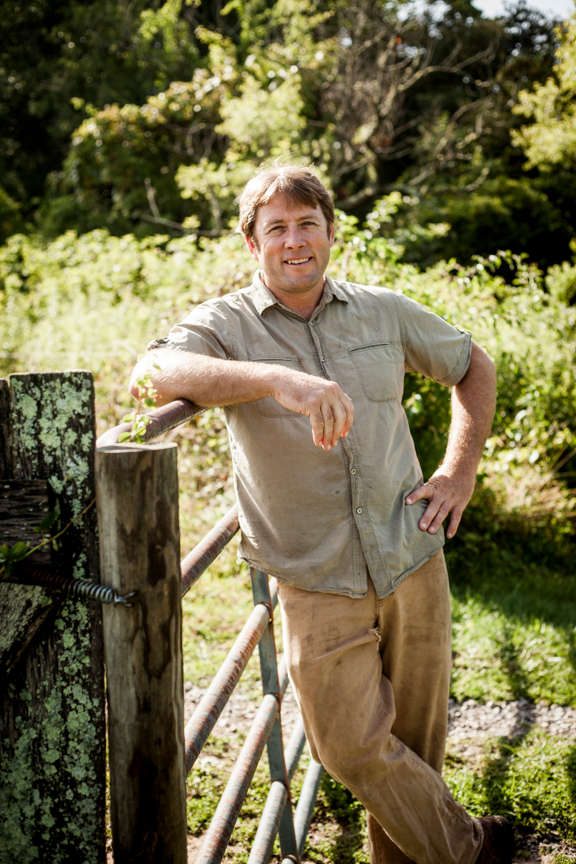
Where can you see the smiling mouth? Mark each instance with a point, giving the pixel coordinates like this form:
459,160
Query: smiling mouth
296,262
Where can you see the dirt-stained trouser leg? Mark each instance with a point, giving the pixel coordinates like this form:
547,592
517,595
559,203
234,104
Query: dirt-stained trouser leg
411,623
337,649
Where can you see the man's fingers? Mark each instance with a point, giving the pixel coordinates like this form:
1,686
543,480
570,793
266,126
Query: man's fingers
444,501
317,423
341,417
348,408
433,517
425,491
329,408
329,438
454,523
332,421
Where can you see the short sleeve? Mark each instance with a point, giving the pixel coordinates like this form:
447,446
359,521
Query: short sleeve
432,346
204,331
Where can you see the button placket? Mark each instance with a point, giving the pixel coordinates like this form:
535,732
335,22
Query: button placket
356,490
313,330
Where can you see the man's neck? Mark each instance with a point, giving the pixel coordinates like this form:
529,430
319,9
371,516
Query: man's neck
302,304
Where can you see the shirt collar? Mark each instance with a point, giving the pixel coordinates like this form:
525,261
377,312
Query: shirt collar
264,299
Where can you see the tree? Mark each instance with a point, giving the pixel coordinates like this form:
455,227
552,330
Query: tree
467,174
128,164
549,140
380,94
57,57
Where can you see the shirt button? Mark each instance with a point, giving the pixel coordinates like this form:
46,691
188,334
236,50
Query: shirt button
353,470
359,510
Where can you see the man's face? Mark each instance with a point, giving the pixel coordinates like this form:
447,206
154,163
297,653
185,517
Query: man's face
291,244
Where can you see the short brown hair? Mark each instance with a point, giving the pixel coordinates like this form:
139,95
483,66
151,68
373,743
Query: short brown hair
295,181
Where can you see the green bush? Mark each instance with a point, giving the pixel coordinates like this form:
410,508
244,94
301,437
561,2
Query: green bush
95,301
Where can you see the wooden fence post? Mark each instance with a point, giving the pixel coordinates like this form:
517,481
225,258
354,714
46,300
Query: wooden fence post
139,531
52,739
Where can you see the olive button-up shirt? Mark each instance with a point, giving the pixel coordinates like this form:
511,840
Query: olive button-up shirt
325,521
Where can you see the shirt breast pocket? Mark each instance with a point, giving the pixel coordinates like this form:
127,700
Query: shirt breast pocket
268,406
380,367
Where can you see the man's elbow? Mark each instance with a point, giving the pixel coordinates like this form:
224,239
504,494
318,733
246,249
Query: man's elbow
133,386
481,361
145,382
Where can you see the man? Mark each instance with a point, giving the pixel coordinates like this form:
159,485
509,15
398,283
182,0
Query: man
332,502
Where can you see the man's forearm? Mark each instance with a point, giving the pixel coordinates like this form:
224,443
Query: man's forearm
210,381
206,381
473,405
450,488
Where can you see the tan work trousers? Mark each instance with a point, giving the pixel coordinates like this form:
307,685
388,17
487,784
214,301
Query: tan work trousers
371,677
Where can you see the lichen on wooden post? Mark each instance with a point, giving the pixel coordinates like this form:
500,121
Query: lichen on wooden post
140,552
52,755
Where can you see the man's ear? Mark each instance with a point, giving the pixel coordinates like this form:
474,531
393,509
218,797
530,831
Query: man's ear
251,244
331,233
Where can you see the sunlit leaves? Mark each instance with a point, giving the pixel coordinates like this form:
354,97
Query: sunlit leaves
550,138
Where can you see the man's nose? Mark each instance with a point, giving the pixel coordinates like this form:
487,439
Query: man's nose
294,236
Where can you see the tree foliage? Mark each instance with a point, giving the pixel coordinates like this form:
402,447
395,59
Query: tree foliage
55,57
382,95
549,139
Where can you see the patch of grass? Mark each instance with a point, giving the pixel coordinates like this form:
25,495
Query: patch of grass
214,611
514,634
204,790
338,831
532,779
503,656
206,787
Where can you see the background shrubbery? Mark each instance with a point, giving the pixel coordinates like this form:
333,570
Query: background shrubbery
95,300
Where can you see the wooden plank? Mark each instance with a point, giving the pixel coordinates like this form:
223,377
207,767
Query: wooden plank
138,521
52,774
5,462
23,610
24,509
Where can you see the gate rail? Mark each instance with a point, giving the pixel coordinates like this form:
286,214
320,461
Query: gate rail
277,817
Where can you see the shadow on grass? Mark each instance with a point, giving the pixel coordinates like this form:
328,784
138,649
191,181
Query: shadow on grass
533,800
523,571
542,807
527,579
345,842
498,768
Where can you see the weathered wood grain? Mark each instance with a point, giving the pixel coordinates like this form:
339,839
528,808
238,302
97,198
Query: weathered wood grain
138,512
52,767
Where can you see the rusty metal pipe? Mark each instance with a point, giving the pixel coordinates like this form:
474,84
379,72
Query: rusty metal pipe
306,802
216,696
159,420
222,824
208,549
261,850
274,682
295,747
